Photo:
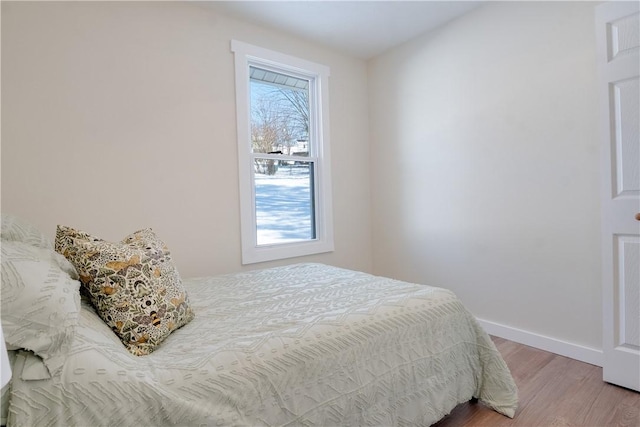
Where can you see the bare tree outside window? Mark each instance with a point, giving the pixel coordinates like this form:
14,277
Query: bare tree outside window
279,115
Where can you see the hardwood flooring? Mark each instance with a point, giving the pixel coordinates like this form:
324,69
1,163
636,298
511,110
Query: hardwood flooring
553,391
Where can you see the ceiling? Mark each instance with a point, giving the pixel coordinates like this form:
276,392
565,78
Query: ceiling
362,28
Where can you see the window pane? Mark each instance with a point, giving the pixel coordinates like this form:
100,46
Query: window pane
279,113
284,201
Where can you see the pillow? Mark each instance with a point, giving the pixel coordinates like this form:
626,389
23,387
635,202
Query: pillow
40,302
18,230
133,285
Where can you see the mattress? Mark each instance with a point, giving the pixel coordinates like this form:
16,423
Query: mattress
300,345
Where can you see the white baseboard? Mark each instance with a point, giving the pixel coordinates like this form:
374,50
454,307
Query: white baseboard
553,345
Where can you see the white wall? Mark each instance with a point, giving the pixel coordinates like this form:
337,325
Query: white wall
121,115
484,166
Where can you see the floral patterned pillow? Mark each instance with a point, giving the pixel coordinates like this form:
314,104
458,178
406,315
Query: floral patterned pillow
133,285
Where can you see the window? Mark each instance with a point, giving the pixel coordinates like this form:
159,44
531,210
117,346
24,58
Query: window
283,155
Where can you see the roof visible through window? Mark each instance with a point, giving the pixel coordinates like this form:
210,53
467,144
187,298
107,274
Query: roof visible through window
277,79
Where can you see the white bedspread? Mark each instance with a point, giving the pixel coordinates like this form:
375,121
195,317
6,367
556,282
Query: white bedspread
303,345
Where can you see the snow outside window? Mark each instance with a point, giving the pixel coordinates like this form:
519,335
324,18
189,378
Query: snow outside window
283,154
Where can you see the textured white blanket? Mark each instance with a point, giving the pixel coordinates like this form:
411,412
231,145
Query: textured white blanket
306,344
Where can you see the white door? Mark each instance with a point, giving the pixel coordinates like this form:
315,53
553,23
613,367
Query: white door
618,37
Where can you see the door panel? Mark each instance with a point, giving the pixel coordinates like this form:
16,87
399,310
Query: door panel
626,111
622,36
627,290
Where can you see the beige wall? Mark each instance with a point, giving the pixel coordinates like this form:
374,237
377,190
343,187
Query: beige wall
484,166
118,116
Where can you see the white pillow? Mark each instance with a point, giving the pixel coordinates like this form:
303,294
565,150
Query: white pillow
40,302
17,229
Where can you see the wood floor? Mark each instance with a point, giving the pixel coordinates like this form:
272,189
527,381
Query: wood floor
553,391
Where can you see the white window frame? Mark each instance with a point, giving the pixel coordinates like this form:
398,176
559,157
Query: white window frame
249,55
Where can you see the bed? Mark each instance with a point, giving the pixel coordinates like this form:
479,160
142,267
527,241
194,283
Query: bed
300,345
